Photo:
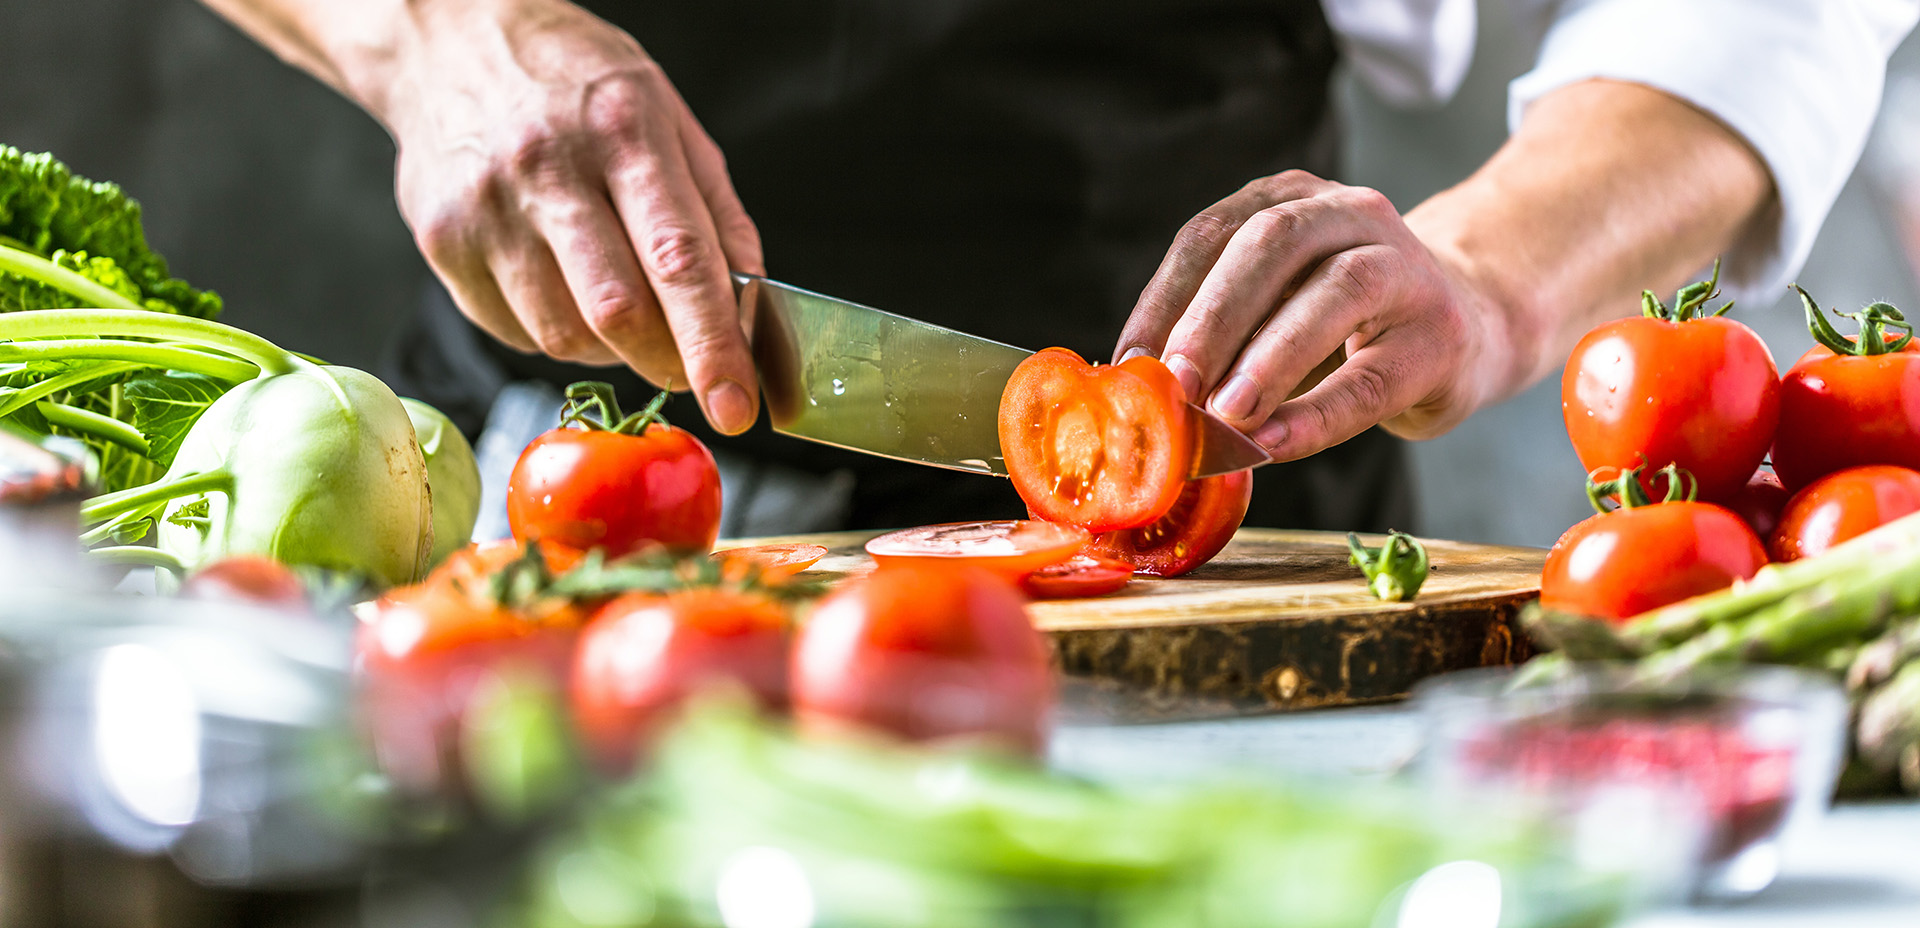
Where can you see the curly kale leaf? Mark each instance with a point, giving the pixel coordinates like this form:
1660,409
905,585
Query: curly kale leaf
89,227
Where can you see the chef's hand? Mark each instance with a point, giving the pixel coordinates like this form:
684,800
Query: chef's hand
552,177
1262,287
1607,188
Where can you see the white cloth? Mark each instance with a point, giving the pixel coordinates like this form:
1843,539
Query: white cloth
1800,80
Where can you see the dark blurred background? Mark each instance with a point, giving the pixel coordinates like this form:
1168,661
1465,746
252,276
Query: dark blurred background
264,185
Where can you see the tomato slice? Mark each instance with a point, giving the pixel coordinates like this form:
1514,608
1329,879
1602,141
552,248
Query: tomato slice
1079,576
1200,523
1106,448
1011,547
783,560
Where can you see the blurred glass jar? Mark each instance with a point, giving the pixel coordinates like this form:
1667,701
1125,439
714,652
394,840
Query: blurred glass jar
1698,776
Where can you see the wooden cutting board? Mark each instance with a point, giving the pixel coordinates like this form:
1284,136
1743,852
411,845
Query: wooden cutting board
1278,621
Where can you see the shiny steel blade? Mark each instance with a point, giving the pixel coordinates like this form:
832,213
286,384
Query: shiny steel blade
856,377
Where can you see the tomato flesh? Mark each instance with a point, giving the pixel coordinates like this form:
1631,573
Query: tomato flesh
1838,412
1011,547
1079,576
1106,448
643,654
1619,564
1703,394
1842,505
774,561
925,652
1198,526
583,489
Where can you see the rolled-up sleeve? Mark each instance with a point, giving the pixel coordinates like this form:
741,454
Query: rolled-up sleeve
1800,80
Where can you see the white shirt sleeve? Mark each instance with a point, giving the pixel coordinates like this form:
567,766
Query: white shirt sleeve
1410,52
1800,80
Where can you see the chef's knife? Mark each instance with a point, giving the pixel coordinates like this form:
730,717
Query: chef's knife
853,376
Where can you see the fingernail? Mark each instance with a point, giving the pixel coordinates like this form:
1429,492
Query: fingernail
1237,399
1137,351
1270,436
728,407
1188,375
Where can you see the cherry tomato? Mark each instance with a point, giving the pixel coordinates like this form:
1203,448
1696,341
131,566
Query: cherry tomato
248,578
1760,501
1101,447
1012,548
1079,576
1844,409
774,561
1618,564
643,654
925,652
1842,505
615,490
1200,523
1672,387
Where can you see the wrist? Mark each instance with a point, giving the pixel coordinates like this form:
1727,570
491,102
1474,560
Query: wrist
1512,349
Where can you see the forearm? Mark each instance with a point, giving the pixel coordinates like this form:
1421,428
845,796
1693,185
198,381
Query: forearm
1607,189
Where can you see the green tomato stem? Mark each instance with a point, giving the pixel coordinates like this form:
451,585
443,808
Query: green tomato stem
28,264
171,357
1396,570
138,556
121,323
105,530
21,397
112,504
88,422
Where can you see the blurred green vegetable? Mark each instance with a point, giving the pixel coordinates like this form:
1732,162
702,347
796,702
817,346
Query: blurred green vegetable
452,476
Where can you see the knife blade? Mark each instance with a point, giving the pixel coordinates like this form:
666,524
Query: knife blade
856,377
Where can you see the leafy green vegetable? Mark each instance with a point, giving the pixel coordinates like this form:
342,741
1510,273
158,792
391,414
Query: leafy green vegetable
164,406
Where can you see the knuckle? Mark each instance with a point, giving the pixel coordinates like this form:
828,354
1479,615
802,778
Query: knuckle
1368,201
1206,233
1360,277
562,341
1368,391
677,257
617,103
535,156
1276,226
611,307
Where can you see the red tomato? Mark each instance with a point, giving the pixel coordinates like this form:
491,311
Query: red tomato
1080,576
1842,505
925,652
1105,448
774,561
1760,501
1618,564
1670,387
424,652
248,578
643,654
1011,548
581,489
1200,523
1841,411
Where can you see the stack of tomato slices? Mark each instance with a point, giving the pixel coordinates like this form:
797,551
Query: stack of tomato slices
1100,455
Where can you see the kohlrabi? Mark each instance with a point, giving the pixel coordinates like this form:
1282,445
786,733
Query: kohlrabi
304,463
451,472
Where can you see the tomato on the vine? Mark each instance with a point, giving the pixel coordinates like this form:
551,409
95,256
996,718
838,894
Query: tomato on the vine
1641,556
643,654
925,652
1080,576
1200,523
1844,504
613,483
1011,547
1673,386
1104,448
1849,402
1760,501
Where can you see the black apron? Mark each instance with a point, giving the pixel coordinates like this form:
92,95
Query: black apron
1008,168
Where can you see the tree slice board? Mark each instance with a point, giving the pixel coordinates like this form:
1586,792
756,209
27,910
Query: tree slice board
1278,621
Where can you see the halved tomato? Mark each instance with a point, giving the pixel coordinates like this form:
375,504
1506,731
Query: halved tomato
1079,576
1010,547
774,561
1200,523
1106,448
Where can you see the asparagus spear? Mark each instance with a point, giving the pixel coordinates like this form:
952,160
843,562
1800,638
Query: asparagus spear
1887,731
